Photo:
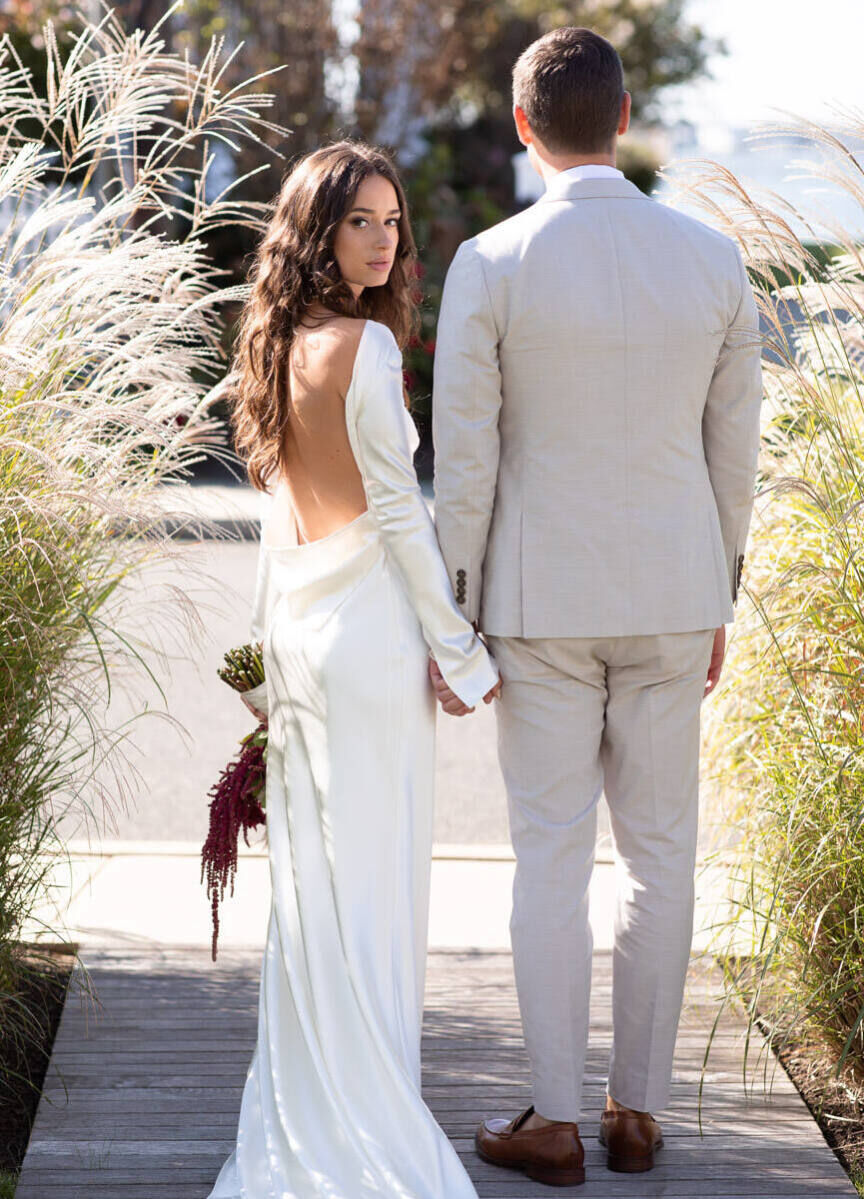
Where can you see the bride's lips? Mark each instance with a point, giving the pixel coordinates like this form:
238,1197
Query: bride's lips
380,265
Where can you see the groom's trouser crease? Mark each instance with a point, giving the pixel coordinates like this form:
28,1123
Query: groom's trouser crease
578,716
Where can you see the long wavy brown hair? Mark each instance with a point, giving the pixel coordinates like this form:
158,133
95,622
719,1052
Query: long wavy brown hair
294,267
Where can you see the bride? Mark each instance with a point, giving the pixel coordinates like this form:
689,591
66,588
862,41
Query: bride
356,614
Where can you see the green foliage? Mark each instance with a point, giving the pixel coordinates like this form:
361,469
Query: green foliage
658,46
639,163
464,181
459,56
443,213
659,49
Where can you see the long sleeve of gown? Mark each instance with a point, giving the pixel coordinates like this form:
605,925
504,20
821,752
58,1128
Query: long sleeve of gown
378,427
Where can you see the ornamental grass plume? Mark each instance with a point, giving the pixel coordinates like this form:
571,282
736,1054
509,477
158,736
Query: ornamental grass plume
111,358
785,730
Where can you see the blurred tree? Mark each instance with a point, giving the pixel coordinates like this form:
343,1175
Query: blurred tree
444,69
299,37
428,75
21,24
434,85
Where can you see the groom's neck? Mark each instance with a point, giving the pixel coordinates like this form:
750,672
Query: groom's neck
549,165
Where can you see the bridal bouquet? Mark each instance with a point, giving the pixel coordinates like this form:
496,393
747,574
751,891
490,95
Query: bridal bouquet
239,793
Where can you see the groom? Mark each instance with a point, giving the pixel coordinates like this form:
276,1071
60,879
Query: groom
596,420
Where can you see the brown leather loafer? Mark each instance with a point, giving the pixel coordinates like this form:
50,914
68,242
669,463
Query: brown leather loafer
630,1139
552,1154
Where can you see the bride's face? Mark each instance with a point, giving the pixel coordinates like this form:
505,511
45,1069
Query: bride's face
367,236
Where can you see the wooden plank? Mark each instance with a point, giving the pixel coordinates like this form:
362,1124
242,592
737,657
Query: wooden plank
83,1185
685,1157
142,1094
156,1126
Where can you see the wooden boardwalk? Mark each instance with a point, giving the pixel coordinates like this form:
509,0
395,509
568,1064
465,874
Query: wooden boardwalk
142,1096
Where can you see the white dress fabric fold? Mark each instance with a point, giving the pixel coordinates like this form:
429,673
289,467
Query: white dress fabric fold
331,1107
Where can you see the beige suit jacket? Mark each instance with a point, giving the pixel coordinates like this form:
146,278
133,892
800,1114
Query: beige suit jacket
597,387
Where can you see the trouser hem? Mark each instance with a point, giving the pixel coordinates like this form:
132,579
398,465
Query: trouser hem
639,1097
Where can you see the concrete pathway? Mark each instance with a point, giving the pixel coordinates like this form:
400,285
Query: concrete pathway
127,893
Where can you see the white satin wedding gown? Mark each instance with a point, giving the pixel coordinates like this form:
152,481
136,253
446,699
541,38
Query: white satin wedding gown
331,1105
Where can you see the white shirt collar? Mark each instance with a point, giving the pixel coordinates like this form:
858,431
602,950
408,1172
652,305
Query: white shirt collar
585,170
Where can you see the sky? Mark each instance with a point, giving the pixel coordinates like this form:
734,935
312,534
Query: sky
791,54
783,54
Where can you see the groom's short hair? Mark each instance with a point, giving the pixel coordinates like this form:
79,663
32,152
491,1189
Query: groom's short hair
570,84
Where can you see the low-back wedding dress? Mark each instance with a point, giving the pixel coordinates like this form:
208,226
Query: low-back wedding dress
331,1107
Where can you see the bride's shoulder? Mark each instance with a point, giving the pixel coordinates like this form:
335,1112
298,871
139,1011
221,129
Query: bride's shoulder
384,340
338,336
348,346
380,330
323,357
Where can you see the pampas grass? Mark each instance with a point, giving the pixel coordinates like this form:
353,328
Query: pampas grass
785,731
110,360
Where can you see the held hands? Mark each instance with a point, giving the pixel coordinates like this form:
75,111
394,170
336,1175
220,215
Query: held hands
449,701
453,705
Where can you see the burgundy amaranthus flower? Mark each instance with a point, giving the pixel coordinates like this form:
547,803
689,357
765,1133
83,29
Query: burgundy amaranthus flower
236,805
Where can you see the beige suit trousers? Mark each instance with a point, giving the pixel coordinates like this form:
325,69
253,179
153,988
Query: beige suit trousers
579,716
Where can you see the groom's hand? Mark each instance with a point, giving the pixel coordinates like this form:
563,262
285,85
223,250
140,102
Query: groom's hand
494,692
716,664
449,700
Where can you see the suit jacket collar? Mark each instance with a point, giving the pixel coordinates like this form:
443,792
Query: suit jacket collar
585,189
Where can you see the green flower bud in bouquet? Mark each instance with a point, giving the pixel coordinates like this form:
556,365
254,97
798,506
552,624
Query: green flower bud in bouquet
244,667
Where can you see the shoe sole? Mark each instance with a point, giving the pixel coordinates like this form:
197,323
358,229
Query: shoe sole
630,1165
550,1176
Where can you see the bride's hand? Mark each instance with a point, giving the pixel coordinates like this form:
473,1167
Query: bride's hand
449,700
259,716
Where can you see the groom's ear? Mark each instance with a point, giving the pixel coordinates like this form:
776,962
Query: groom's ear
523,129
624,121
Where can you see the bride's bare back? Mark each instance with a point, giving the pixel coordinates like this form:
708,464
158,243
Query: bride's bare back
321,480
